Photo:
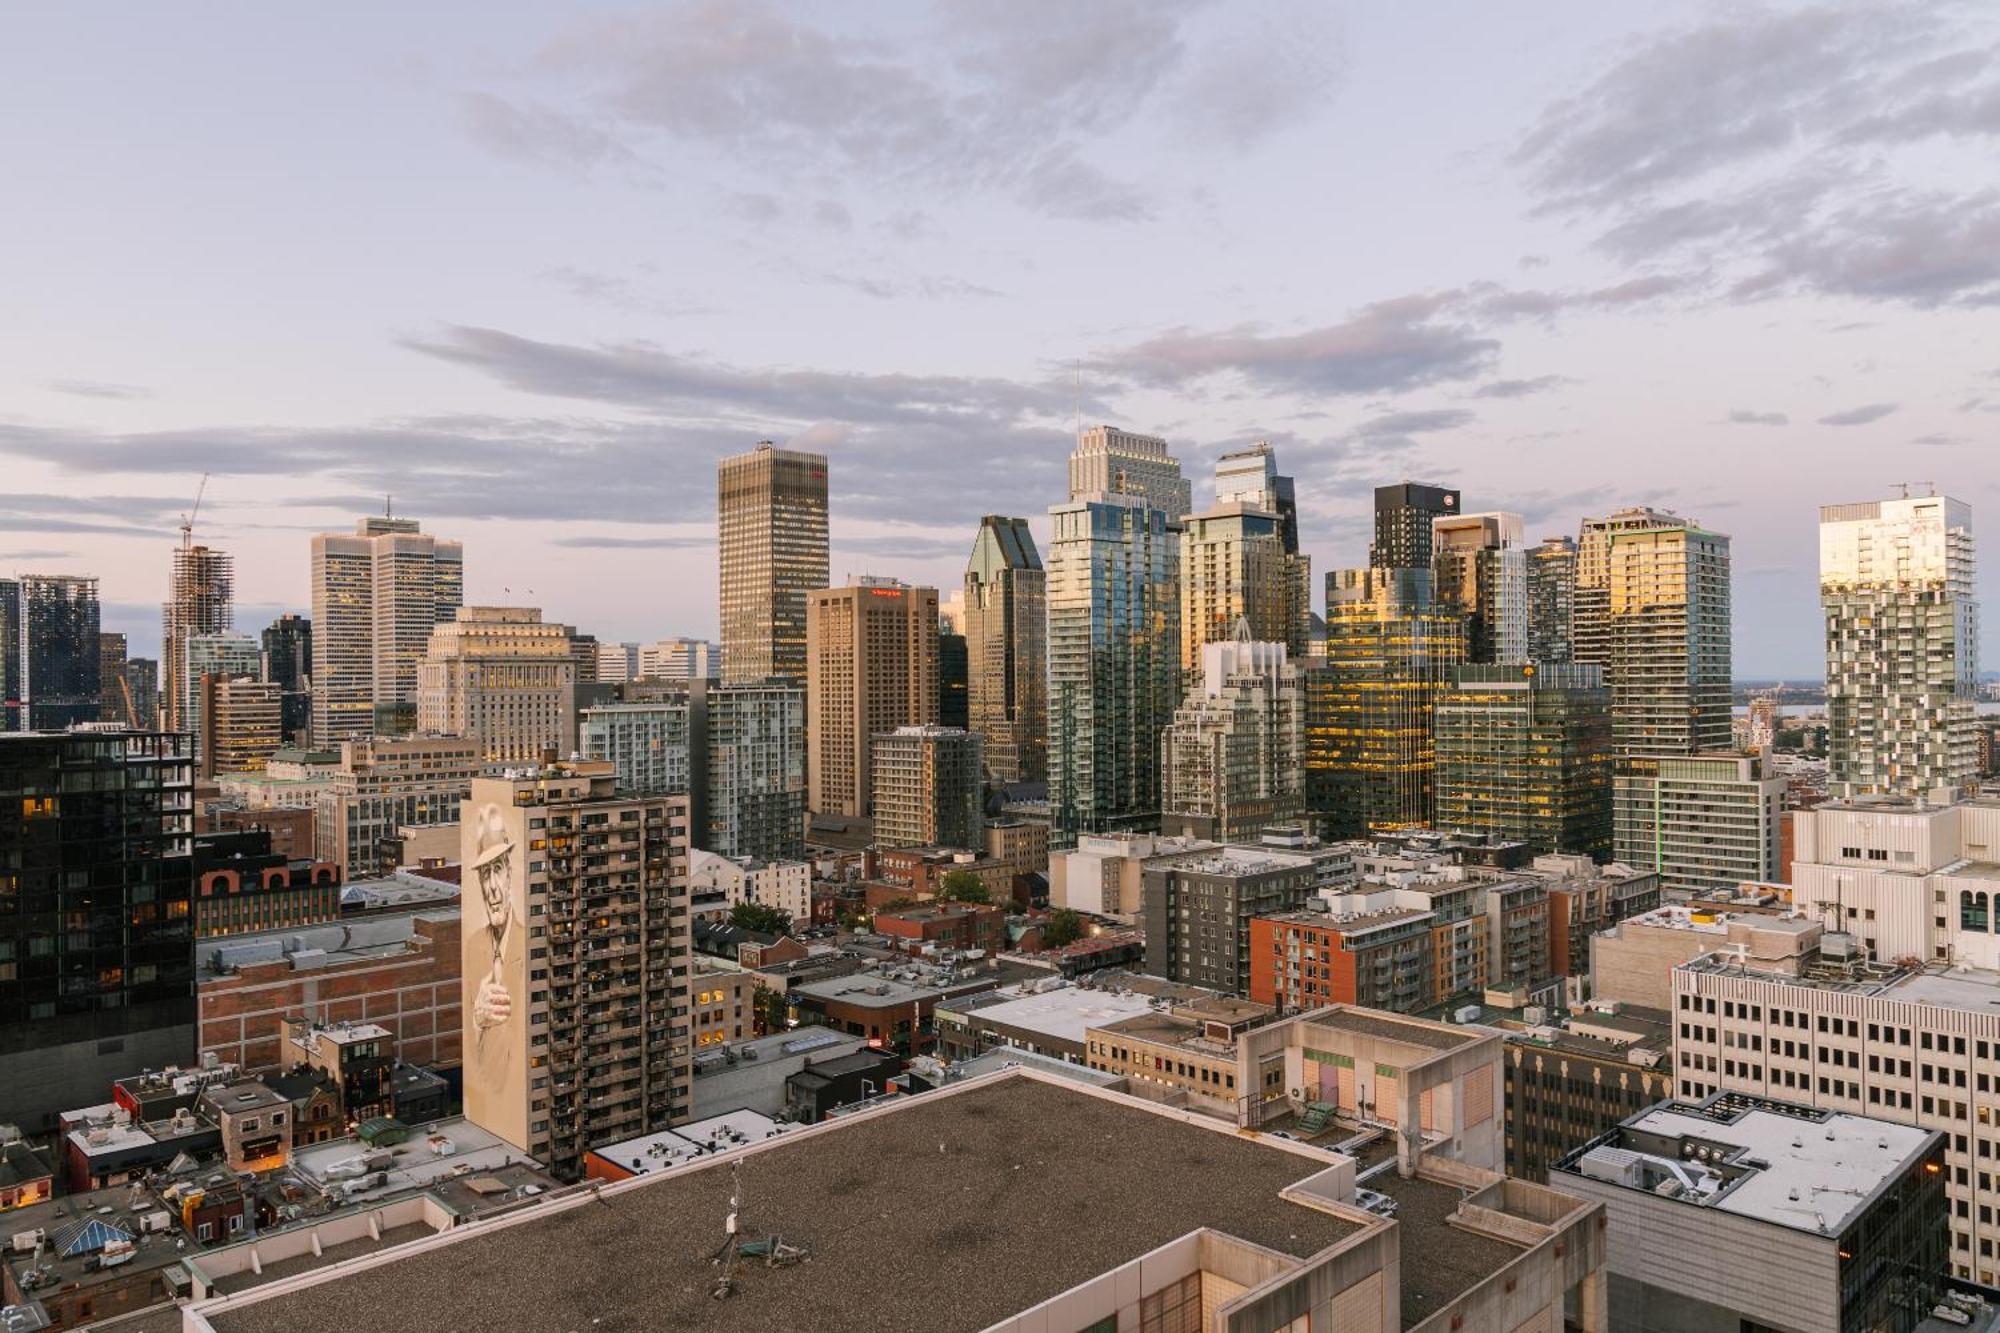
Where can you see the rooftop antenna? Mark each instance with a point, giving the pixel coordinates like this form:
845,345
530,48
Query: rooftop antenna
388,506
187,519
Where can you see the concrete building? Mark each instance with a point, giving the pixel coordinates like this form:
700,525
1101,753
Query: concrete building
1232,762
112,684
1110,461
96,974
382,785
242,723
1898,585
1551,598
724,1008
680,659
583,1035
225,656
1378,958
1523,754
1198,907
1905,878
1188,1048
728,881
929,787
1804,1219
1479,569
1250,477
1041,1018
871,668
1370,704
377,594
1005,624
770,517
1114,661
616,663
1701,822
1572,1078
1633,962
1103,875
750,796
648,744
1652,608
1234,568
1246,1234
502,679
201,599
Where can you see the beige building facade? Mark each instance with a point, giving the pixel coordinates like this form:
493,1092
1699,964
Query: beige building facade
376,595
503,679
770,512
872,666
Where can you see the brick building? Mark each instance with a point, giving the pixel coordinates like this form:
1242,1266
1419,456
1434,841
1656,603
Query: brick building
398,970
945,925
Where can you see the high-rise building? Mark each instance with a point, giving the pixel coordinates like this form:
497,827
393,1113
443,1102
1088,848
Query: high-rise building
1551,594
1524,755
1232,762
1114,661
142,677
383,784
1370,702
1479,570
1701,822
871,667
1110,461
954,708
1652,608
576,951
205,657
680,659
53,674
1197,908
242,723
646,744
1897,584
929,785
288,664
111,682
501,677
1250,476
750,795
771,521
96,943
201,599
1006,644
583,653
377,595
617,662
1234,568
1404,515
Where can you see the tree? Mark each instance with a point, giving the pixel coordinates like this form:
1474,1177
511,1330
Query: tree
962,886
1063,927
771,1010
761,917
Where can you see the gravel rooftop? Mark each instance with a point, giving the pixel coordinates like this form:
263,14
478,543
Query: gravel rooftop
950,1213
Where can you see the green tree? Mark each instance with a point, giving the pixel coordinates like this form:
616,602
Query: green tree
1063,927
772,1012
761,916
962,886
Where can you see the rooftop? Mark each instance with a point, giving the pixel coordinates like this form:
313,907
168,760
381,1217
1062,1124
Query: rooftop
699,1138
1377,1023
1948,986
1064,1014
1237,861
309,947
948,1201
1793,1166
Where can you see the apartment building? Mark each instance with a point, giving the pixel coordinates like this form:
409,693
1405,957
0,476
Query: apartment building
871,667
383,784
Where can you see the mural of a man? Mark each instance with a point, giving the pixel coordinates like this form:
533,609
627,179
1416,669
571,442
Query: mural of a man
493,874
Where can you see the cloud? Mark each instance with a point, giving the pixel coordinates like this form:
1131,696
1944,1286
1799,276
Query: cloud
595,543
98,389
929,287
1937,441
1008,101
538,134
36,553
1797,168
832,215
1858,416
1386,347
616,292
1519,388
1745,417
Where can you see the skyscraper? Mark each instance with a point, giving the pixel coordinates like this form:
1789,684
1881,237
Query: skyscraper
1110,461
288,664
771,523
954,707
201,599
1006,647
1702,822
1250,476
1234,568
871,667
1524,755
1404,514
95,935
1897,584
750,795
377,595
1479,570
680,659
111,684
53,669
1233,759
501,677
1370,703
1652,609
242,723
1114,661
928,785
224,656
1551,595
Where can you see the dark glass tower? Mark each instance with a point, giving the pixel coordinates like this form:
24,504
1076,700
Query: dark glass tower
288,656
96,943
55,639
1403,515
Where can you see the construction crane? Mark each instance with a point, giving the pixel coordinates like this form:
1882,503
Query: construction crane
187,519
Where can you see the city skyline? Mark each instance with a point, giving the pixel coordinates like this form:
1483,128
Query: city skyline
1545,295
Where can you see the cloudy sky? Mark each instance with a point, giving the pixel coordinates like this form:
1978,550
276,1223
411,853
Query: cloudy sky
532,269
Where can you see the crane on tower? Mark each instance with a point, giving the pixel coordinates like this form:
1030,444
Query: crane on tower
187,519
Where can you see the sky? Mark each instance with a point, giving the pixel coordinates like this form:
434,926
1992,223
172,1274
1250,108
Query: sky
531,269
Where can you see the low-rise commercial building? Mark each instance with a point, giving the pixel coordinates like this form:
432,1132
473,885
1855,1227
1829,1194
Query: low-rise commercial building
724,1008
944,925
717,883
1634,961
1803,1219
1104,874
1572,1077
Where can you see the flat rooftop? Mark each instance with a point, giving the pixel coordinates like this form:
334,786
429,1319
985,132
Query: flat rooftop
1975,989
1064,1014
1370,1023
943,1215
